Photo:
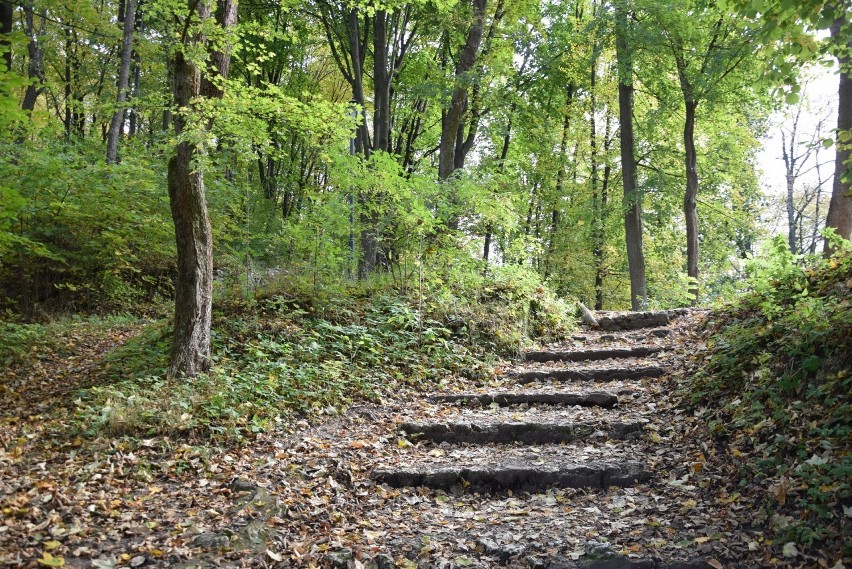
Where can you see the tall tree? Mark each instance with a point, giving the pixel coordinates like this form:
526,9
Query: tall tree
35,51
840,208
632,203
193,233
706,46
788,34
451,117
117,123
7,20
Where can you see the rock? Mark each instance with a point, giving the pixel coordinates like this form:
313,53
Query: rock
617,562
502,552
243,485
211,540
340,558
382,561
598,549
587,317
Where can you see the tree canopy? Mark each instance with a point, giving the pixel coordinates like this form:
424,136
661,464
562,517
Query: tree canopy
159,149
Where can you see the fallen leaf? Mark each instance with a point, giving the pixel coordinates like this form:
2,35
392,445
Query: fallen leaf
790,550
49,560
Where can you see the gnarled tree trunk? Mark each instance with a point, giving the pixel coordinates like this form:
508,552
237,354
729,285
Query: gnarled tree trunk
193,233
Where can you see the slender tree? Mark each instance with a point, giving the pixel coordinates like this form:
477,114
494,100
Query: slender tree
707,47
117,122
632,203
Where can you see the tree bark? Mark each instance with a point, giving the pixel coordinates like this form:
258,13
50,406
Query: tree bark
35,67
133,119
190,353
381,83
690,197
840,207
632,198
451,117
117,122
7,20
789,158
560,178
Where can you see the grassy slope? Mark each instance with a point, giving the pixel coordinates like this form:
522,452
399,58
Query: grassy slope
774,383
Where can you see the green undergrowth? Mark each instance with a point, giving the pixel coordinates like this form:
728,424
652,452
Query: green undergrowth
290,352
774,384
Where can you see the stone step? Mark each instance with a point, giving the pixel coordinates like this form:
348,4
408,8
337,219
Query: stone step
518,476
610,561
591,355
590,374
536,433
636,320
593,399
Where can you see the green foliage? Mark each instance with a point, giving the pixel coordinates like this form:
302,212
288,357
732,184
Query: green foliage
775,384
81,234
292,351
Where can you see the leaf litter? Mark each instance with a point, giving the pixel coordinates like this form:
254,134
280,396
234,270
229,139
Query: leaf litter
302,495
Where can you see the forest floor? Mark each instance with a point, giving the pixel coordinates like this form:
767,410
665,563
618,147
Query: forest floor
583,470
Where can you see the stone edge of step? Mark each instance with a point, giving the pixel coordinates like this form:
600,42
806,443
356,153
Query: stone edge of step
590,355
518,432
593,374
588,399
520,477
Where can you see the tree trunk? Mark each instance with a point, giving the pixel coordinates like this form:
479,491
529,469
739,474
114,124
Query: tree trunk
35,67
690,197
7,20
560,179
632,198
597,206
193,234
69,113
117,122
790,179
840,207
357,54
133,120
381,83
451,117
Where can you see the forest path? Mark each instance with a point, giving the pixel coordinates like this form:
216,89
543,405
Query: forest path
575,460
570,461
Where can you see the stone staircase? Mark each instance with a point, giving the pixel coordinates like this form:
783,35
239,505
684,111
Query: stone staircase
564,418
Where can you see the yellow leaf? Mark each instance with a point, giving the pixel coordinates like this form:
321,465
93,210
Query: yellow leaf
402,443
51,545
689,504
49,560
703,539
